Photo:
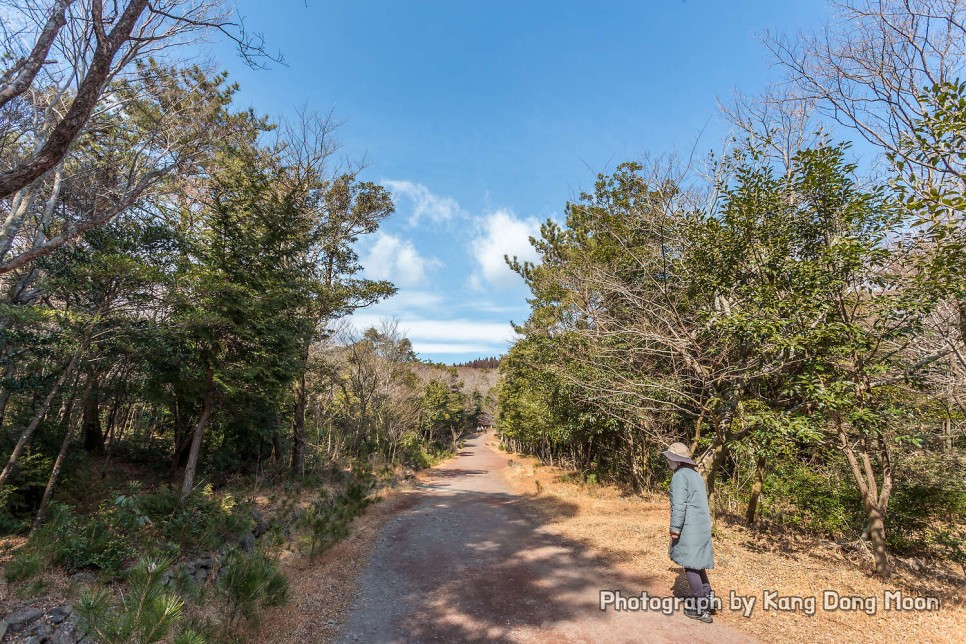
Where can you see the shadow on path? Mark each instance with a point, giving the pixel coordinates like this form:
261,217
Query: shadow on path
467,563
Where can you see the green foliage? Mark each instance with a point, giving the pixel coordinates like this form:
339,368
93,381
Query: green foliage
146,613
19,499
820,501
24,565
201,522
776,319
248,583
101,541
153,522
928,509
328,517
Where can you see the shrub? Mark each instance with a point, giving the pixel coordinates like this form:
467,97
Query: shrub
248,583
95,542
928,506
146,614
328,517
202,521
25,564
800,496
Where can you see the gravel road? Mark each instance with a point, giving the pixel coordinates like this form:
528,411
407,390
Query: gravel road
467,563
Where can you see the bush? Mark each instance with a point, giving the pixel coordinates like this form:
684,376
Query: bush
803,497
201,522
146,614
157,522
328,517
928,507
19,498
248,583
24,565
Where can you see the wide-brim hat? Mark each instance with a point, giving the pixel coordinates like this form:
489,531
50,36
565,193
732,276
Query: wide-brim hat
678,452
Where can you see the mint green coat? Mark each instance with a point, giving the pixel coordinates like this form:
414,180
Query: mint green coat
690,518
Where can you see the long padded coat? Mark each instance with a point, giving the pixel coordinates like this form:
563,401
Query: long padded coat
691,519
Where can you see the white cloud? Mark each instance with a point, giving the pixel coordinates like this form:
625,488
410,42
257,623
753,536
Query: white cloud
397,260
425,204
409,300
444,348
503,233
435,336
459,330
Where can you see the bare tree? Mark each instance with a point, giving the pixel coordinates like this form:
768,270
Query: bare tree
868,67
777,119
71,59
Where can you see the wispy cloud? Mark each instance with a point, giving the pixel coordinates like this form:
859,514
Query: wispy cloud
502,233
409,300
494,334
396,259
425,204
482,350
435,310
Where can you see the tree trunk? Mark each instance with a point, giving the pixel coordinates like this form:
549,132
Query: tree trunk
298,428
54,474
874,500
91,423
755,491
112,419
199,430
709,464
38,417
5,392
277,440
632,462
877,537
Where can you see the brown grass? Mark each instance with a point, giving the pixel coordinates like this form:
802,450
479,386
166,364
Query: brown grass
631,532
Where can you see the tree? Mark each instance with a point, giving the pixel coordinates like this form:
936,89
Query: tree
97,47
889,70
169,121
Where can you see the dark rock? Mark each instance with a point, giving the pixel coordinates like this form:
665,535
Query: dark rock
260,526
191,567
22,618
58,614
40,631
247,543
66,634
204,561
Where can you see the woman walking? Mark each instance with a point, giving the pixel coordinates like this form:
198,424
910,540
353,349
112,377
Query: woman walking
691,529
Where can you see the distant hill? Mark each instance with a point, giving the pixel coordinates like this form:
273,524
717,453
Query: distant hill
481,363
480,379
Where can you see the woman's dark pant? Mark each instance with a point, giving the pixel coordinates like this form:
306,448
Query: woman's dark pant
698,580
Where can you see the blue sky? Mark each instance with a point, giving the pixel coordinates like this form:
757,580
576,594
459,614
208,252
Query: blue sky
484,117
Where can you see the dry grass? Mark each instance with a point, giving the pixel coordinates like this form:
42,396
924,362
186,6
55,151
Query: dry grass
631,532
51,587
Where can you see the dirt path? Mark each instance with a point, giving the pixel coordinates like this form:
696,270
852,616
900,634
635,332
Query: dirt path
466,563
